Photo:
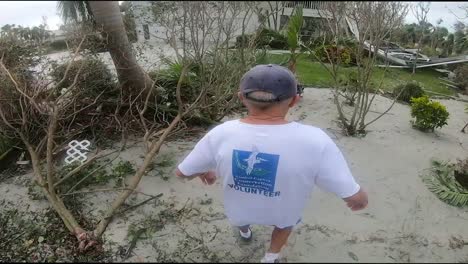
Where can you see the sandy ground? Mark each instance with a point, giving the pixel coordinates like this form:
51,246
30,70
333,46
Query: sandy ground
403,223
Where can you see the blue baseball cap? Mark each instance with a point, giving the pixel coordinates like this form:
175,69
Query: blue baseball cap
272,78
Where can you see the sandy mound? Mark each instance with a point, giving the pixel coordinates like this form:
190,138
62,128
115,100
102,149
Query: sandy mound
404,222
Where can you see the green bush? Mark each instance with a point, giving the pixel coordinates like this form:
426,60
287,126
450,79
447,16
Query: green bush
273,39
408,91
94,79
430,52
265,38
336,54
461,73
58,45
428,114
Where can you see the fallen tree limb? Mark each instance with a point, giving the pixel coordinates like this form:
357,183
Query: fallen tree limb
153,150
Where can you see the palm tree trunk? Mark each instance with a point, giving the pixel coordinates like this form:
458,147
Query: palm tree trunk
109,19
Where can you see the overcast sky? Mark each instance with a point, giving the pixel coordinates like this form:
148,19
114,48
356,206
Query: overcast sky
30,13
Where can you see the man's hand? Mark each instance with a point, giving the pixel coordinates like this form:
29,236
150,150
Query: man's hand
208,177
357,201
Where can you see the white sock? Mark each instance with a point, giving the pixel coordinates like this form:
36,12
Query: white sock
270,257
247,234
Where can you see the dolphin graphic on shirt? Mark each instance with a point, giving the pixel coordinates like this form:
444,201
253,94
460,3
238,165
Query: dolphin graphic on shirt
252,160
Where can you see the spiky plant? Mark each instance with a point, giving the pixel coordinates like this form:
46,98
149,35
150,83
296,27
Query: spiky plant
293,36
441,181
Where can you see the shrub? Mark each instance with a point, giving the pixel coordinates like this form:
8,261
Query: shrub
460,77
429,114
58,45
430,52
350,85
95,77
337,54
408,91
265,38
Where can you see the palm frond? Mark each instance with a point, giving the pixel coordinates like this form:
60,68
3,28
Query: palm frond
76,11
294,28
442,183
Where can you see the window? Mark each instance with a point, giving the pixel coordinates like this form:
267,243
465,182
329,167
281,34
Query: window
146,31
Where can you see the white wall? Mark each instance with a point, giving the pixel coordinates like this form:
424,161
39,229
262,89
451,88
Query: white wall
143,16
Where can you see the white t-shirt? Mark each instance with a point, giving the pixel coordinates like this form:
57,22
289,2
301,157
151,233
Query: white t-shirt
269,171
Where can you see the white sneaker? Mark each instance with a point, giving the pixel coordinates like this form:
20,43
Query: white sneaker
246,236
270,258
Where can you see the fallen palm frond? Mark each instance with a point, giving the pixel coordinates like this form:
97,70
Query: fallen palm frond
441,181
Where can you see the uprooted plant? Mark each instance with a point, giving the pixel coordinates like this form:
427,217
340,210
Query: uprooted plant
449,182
41,114
371,23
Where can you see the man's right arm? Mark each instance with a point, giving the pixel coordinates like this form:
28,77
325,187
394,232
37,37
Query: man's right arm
357,201
198,163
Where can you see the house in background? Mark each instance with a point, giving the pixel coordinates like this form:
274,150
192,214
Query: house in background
57,35
277,11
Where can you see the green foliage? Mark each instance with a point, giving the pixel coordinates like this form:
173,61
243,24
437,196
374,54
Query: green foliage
312,73
448,45
408,91
166,160
430,52
217,75
121,170
153,223
336,54
265,38
442,183
58,45
460,44
294,29
95,78
93,174
429,114
29,236
167,80
350,84
164,165
17,54
74,11
461,73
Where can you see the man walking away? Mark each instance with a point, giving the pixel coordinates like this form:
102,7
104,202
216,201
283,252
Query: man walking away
268,165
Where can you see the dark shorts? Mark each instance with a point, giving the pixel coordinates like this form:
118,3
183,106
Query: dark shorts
284,228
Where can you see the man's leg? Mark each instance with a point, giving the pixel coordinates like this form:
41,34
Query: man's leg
244,229
245,233
279,237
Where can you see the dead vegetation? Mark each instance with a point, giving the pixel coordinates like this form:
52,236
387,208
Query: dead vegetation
45,113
